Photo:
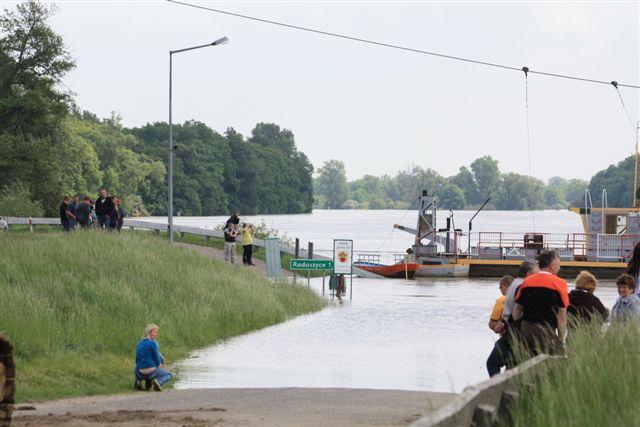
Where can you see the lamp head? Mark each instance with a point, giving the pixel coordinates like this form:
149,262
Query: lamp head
223,40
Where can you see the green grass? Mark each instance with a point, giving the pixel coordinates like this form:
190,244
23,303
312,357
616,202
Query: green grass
75,305
597,384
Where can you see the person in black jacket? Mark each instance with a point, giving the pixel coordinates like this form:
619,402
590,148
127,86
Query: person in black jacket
104,209
584,305
233,219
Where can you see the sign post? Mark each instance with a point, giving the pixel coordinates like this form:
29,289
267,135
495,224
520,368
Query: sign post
311,265
343,260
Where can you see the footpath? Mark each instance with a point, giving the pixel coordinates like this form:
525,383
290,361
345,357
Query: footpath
245,407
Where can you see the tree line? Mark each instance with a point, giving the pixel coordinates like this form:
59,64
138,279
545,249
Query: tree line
468,189
50,148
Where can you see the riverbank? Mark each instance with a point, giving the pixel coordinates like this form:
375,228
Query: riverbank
75,304
263,407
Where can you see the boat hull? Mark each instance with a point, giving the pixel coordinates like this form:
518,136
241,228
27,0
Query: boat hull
442,270
398,271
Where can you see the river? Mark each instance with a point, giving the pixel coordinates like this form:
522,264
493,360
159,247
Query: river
428,334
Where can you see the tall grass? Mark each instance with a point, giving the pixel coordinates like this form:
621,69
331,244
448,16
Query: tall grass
598,384
75,304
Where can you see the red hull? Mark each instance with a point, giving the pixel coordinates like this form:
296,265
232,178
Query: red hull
394,271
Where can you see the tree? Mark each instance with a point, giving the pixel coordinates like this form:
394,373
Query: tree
332,183
451,197
465,181
33,61
618,181
486,174
16,200
519,192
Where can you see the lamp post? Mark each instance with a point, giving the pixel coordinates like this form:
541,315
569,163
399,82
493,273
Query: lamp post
223,40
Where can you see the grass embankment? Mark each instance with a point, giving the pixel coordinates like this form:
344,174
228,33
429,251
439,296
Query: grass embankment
75,305
597,385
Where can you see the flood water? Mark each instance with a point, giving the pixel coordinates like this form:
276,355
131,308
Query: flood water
427,334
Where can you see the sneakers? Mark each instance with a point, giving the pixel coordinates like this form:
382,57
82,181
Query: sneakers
147,385
156,385
138,385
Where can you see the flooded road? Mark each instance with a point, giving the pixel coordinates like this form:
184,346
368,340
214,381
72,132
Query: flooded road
429,335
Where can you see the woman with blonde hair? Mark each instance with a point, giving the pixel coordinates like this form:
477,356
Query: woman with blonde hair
149,361
585,306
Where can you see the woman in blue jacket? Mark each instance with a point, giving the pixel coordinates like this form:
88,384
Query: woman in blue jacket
149,361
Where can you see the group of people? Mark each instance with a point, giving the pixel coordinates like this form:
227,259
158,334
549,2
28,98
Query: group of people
534,308
230,234
105,212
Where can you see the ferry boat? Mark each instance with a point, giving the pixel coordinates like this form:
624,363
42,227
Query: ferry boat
603,248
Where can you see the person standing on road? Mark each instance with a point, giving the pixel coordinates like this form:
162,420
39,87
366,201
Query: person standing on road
542,302
72,211
230,234
120,214
84,212
234,219
497,358
247,244
149,361
64,219
104,208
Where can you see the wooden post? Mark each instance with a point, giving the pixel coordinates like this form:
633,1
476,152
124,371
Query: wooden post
7,381
30,225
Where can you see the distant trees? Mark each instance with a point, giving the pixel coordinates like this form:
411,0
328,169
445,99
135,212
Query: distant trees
50,148
618,181
470,187
332,184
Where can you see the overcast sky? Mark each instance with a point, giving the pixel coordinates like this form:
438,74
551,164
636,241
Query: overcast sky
379,110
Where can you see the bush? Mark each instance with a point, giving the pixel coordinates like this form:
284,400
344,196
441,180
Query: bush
15,200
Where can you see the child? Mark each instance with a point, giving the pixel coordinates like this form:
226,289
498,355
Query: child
247,244
628,305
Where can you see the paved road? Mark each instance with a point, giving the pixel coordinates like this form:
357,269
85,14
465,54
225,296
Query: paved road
244,407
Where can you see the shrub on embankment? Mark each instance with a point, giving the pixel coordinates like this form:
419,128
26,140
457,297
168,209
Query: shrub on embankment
75,305
596,385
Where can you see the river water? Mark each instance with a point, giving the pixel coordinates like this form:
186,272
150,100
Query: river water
427,334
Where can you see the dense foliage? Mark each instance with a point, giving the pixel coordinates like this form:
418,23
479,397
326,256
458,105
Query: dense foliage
469,188
50,148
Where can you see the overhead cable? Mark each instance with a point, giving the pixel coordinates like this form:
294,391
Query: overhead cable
398,47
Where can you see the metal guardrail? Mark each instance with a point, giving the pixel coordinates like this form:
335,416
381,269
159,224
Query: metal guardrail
135,223
491,402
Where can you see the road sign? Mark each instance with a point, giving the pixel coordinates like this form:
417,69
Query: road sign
342,256
310,264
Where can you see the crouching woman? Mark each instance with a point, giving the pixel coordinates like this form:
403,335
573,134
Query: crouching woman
149,361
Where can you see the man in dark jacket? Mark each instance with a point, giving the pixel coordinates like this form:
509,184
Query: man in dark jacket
64,220
104,209
84,212
233,219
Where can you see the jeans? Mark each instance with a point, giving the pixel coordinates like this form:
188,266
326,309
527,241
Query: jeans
159,374
246,254
499,356
230,252
103,221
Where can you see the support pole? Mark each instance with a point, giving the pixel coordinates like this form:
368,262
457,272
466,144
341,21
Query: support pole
170,159
297,255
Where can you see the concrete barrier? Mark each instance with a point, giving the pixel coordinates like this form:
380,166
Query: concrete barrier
489,403
7,381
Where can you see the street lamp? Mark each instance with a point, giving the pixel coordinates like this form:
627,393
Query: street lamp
223,40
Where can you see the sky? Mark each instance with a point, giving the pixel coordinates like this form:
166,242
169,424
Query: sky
379,110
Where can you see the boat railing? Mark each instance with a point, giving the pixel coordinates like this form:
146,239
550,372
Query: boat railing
368,258
570,247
